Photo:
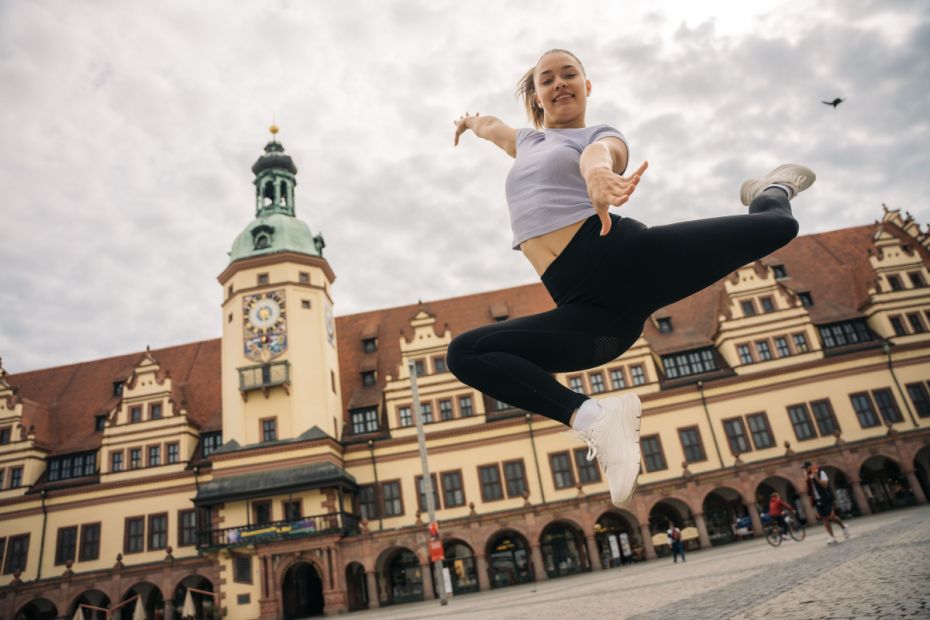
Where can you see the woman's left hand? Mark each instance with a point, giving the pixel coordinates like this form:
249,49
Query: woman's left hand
607,189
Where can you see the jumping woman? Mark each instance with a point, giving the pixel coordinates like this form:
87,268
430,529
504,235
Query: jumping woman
606,273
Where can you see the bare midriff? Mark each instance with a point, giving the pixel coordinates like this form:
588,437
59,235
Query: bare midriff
541,251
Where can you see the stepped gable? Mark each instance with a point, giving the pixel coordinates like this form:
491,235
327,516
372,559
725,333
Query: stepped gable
69,397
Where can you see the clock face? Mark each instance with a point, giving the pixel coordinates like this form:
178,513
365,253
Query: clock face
264,325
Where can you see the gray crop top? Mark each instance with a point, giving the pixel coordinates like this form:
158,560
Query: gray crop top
545,189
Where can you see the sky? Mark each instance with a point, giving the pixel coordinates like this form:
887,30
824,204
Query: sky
128,129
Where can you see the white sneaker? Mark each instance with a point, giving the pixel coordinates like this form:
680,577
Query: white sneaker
614,440
794,176
832,541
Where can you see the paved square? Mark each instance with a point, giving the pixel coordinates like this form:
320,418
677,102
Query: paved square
883,571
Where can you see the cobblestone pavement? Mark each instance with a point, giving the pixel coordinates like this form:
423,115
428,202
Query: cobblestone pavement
883,571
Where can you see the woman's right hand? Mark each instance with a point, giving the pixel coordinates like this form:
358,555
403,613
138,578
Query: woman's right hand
461,126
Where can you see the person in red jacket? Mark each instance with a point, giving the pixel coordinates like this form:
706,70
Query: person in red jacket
777,508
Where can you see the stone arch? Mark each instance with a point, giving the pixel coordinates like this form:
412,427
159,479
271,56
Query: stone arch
564,548
508,557
787,488
357,595
844,500
921,464
202,602
617,538
402,576
677,511
93,597
301,586
884,483
725,514
150,597
37,609
462,564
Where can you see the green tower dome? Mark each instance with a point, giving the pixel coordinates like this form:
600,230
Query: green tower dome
275,227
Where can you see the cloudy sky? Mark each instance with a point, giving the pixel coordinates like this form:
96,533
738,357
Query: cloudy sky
127,130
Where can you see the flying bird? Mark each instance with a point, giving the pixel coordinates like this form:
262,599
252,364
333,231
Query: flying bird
835,102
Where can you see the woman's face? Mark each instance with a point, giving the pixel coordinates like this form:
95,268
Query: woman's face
561,90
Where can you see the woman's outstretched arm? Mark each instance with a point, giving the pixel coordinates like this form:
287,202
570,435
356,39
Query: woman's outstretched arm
489,128
606,188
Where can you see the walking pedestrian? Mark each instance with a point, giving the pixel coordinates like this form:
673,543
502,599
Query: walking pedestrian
818,489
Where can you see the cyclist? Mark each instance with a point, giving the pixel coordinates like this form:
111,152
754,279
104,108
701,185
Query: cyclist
777,508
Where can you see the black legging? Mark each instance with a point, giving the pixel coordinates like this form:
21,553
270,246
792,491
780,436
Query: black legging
604,289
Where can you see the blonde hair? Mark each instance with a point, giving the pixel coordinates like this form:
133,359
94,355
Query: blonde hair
526,88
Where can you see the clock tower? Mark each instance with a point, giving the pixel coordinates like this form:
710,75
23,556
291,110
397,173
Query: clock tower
279,361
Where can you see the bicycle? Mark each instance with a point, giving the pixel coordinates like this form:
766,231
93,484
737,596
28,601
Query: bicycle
796,530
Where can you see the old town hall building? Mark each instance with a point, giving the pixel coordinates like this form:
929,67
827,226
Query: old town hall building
274,472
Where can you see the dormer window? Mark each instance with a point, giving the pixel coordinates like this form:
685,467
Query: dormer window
806,298
665,325
895,283
262,237
368,378
767,304
369,345
100,422
118,388
749,308
779,271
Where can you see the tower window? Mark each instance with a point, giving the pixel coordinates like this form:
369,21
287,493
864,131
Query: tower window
304,277
263,278
262,242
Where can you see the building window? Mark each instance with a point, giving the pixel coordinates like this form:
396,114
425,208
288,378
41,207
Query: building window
762,348
745,353
736,436
72,466
187,528
303,277
262,279
895,283
862,405
653,456
90,542
691,444
305,304
490,477
420,366
421,495
807,300
134,535
781,347
369,345
66,547
897,325
210,443
749,308
638,374
689,363
587,470
917,279
135,458
367,502
426,412
617,380
405,418
269,429
452,492
826,420
847,332
439,364
800,343
917,325
174,452
154,456
118,388
760,430
597,382
364,421
767,304
515,476
155,411
5,434
887,406
116,461
292,510
17,553
465,407
261,511
779,271
158,531
445,410
920,398
135,413
576,384
562,475
368,378
242,569
801,421
665,325
100,422
390,494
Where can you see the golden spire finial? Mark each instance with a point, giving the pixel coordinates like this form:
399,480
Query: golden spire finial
273,129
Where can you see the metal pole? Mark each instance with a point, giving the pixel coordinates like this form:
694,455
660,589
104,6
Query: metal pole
886,348
529,423
710,425
427,479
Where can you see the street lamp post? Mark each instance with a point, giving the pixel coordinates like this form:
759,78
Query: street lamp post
427,480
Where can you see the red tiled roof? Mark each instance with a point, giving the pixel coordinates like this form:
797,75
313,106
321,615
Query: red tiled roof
62,402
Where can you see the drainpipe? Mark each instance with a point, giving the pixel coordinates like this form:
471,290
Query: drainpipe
42,494
886,349
374,468
529,423
713,435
